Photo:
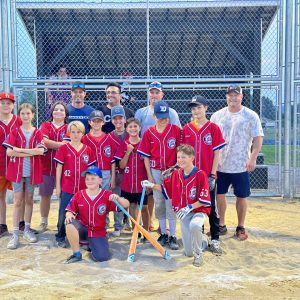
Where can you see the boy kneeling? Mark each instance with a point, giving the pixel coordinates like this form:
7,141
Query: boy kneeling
86,217
188,190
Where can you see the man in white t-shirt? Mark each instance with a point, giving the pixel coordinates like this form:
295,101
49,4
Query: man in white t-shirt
241,129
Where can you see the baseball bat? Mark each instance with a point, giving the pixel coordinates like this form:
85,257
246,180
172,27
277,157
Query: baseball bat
165,254
132,247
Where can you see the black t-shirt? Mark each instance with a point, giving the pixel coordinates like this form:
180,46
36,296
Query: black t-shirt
108,126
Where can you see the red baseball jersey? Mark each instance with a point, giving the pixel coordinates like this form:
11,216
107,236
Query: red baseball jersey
135,171
183,191
161,147
50,132
118,142
74,163
104,147
92,213
5,129
205,141
15,165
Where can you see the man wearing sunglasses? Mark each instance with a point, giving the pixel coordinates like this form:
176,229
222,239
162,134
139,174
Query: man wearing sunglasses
113,97
146,114
78,110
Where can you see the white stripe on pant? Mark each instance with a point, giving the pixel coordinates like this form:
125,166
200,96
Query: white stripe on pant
191,232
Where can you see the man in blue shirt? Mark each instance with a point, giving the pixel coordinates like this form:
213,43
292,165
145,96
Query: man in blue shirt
78,111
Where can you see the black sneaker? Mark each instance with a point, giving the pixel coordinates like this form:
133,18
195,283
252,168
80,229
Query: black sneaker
163,239
173,243
74,258
22,227
3,230
223,230
61,244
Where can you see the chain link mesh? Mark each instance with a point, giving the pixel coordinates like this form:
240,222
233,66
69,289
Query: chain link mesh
264,101
296,144
109,39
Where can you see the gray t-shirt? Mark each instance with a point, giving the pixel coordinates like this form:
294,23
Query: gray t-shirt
146,118
26,161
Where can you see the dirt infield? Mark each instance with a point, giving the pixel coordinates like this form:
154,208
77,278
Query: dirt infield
266,266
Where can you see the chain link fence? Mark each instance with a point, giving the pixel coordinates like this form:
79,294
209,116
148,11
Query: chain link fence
296,143
104,39
265,180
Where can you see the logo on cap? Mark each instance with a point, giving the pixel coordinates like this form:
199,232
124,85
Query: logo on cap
163,108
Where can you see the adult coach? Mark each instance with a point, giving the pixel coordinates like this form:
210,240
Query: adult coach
146,114
113,97
241,129
78,110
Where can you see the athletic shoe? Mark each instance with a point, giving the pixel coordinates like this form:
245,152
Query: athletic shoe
116,233
198,260
3,230
215,247
163,239
173,243
74,258
13,242
29,236
241,234
127,226
42,228
22,228
61,244
223,230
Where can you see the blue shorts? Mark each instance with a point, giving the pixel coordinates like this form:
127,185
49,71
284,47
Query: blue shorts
98,245
239,181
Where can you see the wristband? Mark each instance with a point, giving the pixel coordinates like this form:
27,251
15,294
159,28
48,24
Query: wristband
190,206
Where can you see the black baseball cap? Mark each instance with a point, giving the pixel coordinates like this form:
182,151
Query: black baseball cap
96,114
234,89
198,100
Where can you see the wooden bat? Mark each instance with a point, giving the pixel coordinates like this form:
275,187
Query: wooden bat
132,247
165,254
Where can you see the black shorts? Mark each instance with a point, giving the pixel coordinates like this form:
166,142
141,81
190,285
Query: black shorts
134,197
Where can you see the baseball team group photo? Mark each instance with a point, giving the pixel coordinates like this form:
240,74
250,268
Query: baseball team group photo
149,149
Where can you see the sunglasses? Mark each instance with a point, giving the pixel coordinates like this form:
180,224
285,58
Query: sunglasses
156,84
78,86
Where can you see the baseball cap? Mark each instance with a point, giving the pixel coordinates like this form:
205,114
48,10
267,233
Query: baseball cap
161,110
92,170
235,89
96,114
155,85
7,96
198,100
117,110
78,85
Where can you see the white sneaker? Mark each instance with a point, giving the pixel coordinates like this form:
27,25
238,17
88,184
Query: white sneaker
29,236
42,228
116,233
215,247
198,260
13,242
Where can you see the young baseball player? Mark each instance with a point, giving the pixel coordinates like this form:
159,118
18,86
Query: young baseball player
72,159
25,146
119,134
104,148
8,122
207,140
189,190
134,171
158,146
86,217
54,131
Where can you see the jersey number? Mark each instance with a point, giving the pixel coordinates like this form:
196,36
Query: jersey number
204,192
126,170
152,163
67,173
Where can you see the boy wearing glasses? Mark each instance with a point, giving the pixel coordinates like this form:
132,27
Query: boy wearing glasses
78,110
113,97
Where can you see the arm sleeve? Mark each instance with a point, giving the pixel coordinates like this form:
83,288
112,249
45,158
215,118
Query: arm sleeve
92,158
120,152
218,141
10,141
144,146
203,192
256,127
59,156
40,141
72,206
45,130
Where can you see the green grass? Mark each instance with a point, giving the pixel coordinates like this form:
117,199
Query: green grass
269,154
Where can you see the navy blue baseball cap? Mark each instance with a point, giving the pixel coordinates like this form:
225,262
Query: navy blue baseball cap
117,111
78,85
96,114
161,110
92,170
198,100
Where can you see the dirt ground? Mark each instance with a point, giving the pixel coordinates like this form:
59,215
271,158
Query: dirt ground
266,266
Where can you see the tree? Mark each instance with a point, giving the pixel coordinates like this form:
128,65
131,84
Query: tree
268,108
